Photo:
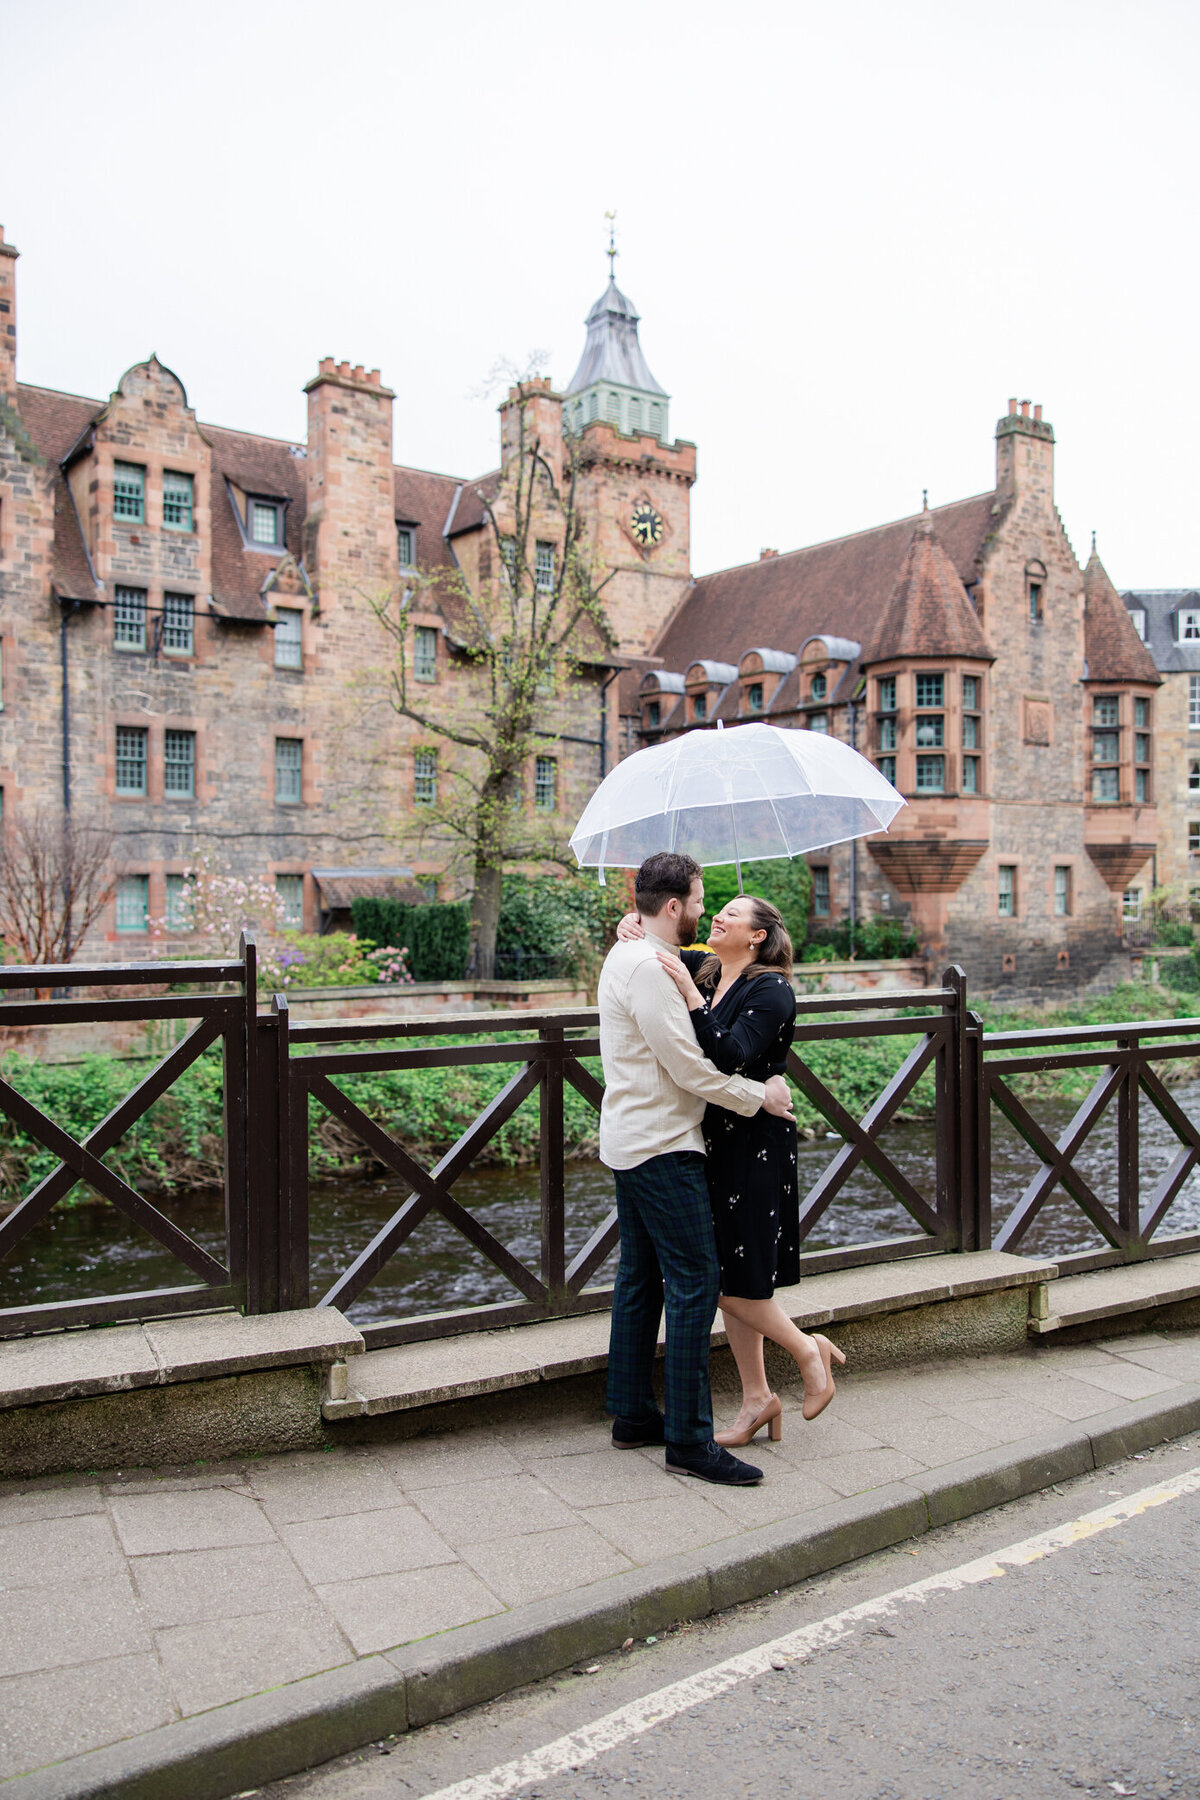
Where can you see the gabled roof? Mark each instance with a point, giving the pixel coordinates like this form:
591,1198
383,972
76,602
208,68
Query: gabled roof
928,613
266,466
1112,648
844,585
612,351
56,422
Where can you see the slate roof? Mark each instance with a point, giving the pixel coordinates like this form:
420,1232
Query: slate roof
1111,646
612,351
929,613
276,470
844,584
1160,606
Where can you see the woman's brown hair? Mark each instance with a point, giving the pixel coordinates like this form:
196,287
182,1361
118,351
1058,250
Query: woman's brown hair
775,951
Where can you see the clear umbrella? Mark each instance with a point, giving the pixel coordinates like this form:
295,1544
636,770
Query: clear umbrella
743,795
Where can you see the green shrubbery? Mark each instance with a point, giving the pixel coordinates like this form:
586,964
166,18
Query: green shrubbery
559,924
875,940
436,936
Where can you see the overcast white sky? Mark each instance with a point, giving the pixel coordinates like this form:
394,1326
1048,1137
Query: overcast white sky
852,231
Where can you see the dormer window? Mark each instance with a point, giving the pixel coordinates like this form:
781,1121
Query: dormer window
1035,583
264,523
1137,618
700,707
1188,631
754,697
653,715
818,688
406,545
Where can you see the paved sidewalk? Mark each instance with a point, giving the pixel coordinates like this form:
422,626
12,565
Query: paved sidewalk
130,1602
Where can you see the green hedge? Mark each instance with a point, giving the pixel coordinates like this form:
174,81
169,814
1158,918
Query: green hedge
875,940
436,936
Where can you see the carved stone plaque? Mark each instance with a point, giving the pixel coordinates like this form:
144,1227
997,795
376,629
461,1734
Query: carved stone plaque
1037,721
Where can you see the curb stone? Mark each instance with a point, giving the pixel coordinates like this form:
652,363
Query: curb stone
291,1728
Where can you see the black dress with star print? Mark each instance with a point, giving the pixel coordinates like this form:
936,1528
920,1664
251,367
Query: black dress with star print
751,1162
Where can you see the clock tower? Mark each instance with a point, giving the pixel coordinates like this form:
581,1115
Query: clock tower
635,483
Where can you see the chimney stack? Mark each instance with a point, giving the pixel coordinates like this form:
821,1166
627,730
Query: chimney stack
763,555
8,321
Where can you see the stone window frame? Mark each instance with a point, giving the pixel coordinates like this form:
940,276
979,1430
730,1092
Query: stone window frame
131,606
293,916
134,753
1035,591
1007,889
425,775
279,509
1194,702
544,565
288,766
818,722
132,888
545,783
179,753
1131,906
291,637
425,656
173,499
129,495
178,623
1063,890
822,897
407,554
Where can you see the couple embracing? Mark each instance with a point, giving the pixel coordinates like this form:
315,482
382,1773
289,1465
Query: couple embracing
698,1130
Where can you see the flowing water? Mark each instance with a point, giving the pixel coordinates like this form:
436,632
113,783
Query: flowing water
94,1250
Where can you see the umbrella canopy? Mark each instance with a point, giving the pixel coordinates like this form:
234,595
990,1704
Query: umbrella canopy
743,795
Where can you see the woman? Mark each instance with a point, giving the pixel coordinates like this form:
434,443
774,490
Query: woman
743,1012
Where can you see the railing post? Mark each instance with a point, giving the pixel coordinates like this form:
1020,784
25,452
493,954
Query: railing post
262,1268
293,1168
553,1172
1128,1158
236,1046
955,1175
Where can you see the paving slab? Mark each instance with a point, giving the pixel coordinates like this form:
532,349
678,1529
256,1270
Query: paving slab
296,1606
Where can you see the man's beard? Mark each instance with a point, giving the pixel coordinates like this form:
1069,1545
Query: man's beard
686,932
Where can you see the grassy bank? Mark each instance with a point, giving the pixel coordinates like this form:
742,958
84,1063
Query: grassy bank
176,1146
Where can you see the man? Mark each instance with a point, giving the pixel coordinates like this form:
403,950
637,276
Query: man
657,1084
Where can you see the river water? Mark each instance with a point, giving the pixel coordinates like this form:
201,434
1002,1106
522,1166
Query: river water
92,1250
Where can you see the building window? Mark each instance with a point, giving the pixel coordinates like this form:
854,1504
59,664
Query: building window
819,722
266,523
289,757
545,783
887,768
1104,746
1131,905
1106,787
511,560
1141,786
930,731
888,731
1141,714
887,694
818,688
1194,838
931,774
405,541
970,732
129,491
179,909
543,567
425,653
290,889
131,759
820,893
1194,702
970,776
179,624
1106,709
425,772
970,693
754,697
1006,891
700,707
129,618
654,715
1035,603
1188,627
289,648
1062,892
1141,746
1,674
1194,773
133,903
931,690
177,501
179,764
1137,618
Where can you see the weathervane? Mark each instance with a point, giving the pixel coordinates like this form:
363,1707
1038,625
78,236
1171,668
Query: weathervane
611,252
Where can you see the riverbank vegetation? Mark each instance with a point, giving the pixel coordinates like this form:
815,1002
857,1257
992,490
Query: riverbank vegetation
176,1147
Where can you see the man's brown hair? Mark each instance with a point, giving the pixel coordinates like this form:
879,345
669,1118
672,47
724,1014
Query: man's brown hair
665,876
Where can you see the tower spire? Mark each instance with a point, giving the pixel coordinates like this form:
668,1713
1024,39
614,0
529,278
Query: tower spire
612,252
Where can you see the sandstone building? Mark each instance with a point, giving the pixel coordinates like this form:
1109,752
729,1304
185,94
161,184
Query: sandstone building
188,648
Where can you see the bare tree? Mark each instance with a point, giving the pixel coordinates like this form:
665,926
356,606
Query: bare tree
520,632
55,879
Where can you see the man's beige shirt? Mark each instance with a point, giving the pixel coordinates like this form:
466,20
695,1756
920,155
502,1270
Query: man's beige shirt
656,1081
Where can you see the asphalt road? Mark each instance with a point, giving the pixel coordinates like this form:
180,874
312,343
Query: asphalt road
1075,1674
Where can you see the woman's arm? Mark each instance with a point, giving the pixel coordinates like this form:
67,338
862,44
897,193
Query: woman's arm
767,1003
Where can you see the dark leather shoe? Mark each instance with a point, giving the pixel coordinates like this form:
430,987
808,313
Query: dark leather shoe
709,1462
635,1434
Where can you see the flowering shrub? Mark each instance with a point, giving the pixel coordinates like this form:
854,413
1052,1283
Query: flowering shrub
299,960
389,964
216,908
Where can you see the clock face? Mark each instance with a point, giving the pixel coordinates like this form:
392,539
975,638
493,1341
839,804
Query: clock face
646,525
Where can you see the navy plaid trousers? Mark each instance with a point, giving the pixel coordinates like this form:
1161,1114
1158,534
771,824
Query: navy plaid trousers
667,1253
